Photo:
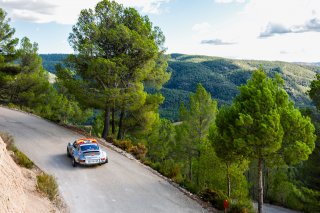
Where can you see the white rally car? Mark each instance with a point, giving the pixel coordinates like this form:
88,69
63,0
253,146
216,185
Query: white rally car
86,151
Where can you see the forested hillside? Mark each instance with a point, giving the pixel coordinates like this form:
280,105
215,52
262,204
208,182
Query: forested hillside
220,76
240,137
49,61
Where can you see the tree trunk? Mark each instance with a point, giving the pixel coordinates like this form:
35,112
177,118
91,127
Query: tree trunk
12,95
198,169
105,132
265,181
260,186
120,131
229,181
113,122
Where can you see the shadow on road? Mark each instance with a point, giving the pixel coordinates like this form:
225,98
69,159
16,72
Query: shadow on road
63,162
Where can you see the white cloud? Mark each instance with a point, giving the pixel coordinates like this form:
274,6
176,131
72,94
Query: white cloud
66,11
216,42
146,6
41,7
274,28
286,13
229,1
298,21
312,25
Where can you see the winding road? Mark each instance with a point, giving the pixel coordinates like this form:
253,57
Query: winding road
122,185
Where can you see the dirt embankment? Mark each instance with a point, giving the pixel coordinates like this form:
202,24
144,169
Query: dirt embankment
18,191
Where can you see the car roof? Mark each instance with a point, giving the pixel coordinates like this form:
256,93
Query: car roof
86,141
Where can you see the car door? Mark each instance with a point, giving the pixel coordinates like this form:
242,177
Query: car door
72,148
76,149
69,147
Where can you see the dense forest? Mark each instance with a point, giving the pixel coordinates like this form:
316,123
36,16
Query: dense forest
219,76
295,186
247,131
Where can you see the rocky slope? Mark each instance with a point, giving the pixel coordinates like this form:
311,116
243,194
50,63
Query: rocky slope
18,188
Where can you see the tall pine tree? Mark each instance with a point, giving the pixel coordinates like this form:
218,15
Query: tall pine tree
194,129
266,126
118,50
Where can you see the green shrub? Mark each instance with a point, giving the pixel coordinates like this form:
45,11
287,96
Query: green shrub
139,151
155,166
48,185
126,145
170,169
12,106
116,143
292,194
237,209
22,160
241,206
147,162
178,178
123,144
190,186
310,198
215,197
110,139
304,199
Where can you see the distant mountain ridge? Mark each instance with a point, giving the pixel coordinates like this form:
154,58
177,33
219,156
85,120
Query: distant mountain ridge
308,64
220,76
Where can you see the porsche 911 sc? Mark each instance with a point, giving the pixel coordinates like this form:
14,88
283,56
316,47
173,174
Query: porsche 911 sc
86,151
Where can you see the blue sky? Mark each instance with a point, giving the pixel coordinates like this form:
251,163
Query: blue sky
286,30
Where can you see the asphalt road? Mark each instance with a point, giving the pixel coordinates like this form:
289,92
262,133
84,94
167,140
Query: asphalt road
122,185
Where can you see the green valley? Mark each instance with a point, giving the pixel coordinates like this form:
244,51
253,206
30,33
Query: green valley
219,76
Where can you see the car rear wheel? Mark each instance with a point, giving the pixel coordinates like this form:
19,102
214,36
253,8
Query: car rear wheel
68,153
74,163
104,162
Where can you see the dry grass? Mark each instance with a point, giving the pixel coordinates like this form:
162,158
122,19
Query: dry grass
20,158
47,184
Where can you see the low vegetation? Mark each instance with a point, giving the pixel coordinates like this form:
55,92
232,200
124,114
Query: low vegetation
19,157
47,184
8,140
139,150
22,159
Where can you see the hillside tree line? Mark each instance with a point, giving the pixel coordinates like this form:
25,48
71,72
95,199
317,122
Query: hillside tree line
255,148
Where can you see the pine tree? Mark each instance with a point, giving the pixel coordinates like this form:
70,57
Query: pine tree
118,51
194,129
266,126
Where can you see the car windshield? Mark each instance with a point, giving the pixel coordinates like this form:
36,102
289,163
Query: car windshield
89,147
